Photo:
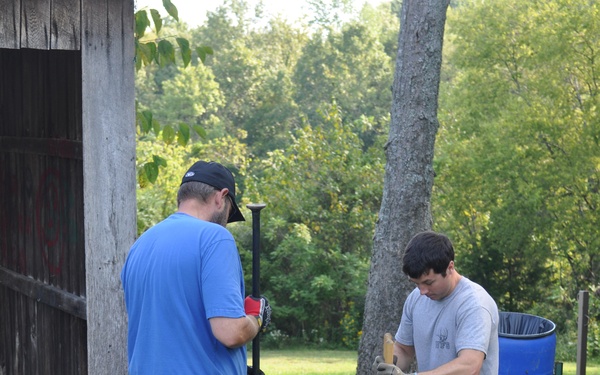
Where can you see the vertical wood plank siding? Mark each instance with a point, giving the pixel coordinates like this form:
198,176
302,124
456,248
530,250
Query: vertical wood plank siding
40,24
10,23
65,28
67,184
35,24
41,221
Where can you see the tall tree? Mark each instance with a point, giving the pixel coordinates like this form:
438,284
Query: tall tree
519,173
405,208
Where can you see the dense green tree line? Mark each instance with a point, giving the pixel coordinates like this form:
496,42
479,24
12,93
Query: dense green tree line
301,113
518,155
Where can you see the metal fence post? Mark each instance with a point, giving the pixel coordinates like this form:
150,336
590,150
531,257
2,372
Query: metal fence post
582,331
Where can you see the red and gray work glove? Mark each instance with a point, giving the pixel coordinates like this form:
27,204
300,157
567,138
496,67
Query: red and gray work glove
260,308
382,368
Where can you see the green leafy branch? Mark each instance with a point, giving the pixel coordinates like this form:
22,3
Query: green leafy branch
162,51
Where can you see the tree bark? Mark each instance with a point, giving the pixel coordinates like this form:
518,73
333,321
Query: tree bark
405,208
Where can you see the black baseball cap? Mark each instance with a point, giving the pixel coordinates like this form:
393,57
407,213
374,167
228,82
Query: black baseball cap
214,174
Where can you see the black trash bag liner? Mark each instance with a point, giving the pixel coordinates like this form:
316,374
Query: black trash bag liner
524,326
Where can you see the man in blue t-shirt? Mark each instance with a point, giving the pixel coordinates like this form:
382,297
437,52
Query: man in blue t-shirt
184,286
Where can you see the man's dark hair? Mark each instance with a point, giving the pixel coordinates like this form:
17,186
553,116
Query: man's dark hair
427,251
195,190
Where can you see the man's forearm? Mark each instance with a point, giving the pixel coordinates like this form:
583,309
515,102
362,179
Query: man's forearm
235,332
405,356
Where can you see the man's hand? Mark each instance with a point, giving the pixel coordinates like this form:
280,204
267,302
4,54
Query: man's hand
260,308
383,368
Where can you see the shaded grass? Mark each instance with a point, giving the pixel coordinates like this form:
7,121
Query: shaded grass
340,362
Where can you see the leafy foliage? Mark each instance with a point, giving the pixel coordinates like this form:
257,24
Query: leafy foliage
518,157
158,199
300,114
321,205
150,49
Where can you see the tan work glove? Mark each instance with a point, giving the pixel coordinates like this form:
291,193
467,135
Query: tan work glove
382,368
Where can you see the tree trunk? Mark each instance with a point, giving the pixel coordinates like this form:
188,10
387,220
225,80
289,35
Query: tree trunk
405,208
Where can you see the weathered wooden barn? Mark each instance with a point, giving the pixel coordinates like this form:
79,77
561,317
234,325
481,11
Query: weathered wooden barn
67,184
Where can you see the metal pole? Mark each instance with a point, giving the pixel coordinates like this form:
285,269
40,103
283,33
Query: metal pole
582,324
255,208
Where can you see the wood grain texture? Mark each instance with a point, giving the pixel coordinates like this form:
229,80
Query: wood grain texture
62,112
42,255
10,20
40,24
388,348
44,293
109,174
35,24
65,25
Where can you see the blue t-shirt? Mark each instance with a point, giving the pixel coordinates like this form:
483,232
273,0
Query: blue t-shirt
178,275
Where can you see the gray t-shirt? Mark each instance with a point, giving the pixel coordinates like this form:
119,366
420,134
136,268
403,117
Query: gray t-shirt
466,319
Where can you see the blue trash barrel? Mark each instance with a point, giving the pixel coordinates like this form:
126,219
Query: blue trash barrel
527,344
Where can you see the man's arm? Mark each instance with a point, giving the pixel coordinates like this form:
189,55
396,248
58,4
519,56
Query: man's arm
468,362
234,332
405,355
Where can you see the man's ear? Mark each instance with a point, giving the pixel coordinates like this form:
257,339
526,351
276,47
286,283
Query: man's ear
451,266
221,197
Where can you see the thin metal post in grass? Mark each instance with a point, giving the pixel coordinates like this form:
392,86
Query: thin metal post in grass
582,330
255,208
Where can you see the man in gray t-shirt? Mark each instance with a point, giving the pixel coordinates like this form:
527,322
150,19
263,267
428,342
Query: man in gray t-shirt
449,323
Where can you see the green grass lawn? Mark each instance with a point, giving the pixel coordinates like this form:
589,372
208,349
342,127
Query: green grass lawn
338,362
306,362
570,369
